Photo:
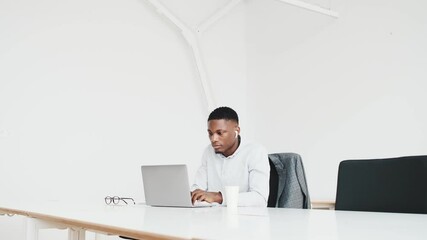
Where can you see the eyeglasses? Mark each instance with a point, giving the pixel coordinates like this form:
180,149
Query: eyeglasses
116,200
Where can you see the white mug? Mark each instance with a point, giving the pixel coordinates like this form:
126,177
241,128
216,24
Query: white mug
232,196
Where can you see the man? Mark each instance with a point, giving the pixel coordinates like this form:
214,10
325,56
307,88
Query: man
228,161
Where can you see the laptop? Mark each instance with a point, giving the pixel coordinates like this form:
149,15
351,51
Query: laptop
168,186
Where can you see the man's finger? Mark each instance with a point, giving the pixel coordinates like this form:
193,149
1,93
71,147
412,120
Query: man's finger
196,196
193,197
193,194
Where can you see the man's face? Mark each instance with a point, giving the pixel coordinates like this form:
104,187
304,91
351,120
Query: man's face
223,136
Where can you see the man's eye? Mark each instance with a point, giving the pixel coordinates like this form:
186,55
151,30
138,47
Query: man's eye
219,133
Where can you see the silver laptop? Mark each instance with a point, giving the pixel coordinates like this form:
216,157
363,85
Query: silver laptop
168,186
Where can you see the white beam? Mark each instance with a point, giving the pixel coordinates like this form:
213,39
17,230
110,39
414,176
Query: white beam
311,7
162,9
192,35
217,15
192,40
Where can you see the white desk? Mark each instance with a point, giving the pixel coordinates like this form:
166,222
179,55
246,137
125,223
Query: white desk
141,221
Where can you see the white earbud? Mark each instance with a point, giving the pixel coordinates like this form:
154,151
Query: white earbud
237,134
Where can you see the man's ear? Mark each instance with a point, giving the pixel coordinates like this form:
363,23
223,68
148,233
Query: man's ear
237,129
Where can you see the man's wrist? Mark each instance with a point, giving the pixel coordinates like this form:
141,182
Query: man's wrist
219,198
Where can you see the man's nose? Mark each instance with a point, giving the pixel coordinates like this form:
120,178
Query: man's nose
214,138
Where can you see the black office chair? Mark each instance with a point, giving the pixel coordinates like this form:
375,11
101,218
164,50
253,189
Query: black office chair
274,184
383,185
288,185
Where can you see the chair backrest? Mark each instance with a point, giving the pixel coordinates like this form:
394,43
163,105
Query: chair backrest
383,185
274,185
288,186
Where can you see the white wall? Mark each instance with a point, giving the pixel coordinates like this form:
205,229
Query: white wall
90,90
100,87
336,89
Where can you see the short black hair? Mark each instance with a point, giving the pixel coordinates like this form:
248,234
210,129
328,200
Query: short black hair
225,113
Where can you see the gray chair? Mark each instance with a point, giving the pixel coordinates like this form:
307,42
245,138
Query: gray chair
288,185
383,185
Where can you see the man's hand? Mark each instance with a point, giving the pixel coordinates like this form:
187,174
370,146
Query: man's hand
200,195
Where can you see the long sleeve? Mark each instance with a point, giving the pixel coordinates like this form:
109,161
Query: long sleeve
201,178
259,177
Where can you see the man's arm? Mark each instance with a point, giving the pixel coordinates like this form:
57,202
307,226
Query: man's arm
201,178
200,185
259,180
